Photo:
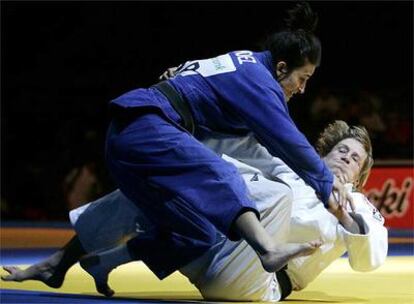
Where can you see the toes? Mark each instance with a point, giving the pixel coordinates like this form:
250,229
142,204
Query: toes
10,277
6,278
316,243
11,269
105,290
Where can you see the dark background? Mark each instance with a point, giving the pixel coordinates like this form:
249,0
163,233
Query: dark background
61,62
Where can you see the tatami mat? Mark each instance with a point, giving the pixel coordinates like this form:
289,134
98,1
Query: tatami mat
393,283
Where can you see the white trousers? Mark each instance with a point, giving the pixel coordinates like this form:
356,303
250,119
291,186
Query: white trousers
230,270
233,271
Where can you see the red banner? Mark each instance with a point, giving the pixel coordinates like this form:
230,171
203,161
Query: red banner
390,189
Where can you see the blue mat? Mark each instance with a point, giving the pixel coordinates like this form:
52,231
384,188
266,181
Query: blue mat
23,296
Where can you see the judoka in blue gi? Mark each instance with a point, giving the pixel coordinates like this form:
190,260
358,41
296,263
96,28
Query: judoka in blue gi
154,154
183,186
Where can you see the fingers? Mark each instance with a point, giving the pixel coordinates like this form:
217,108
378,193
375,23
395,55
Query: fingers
338,207
350,199
342,179
342,197
169,73
332,203
164,76
341,192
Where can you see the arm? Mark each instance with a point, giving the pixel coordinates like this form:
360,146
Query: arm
352,222
255,96
367,250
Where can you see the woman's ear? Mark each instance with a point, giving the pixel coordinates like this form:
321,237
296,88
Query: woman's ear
281,69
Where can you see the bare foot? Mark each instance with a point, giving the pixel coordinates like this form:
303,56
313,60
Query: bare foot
44,271
92,265
276,259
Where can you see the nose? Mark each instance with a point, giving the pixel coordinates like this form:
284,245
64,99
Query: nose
345,158
302,88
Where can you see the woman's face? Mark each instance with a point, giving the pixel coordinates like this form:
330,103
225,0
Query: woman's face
346,160
295,82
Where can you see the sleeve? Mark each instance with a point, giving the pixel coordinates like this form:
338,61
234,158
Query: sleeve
106,221
248,150
254,95
367,251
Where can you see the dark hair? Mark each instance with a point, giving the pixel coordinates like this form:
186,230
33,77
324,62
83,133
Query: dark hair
297,44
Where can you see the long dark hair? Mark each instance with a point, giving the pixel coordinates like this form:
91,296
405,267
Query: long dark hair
296,45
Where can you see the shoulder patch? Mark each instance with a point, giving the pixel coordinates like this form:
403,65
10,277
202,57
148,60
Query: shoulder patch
375,212
207,67
377,215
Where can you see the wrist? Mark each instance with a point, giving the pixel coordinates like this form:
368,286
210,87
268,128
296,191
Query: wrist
349,223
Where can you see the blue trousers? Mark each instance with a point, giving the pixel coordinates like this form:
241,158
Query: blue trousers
186,189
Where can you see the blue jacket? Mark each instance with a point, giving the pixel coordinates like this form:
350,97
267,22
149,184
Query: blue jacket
238,93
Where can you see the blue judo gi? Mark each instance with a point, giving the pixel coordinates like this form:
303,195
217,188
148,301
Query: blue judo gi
183,186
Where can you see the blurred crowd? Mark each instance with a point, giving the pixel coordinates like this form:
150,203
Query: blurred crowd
40,187
386,115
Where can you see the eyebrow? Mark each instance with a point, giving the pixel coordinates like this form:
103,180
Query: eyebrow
353,153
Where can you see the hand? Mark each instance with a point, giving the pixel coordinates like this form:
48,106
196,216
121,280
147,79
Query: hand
342,177
339,197
347,221
342,215
168,73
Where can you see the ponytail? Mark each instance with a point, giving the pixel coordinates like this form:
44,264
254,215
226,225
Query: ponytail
297,44
301,17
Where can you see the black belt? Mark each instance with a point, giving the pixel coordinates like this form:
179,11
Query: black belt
179,104
284,283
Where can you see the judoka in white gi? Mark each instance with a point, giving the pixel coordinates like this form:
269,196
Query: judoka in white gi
290,212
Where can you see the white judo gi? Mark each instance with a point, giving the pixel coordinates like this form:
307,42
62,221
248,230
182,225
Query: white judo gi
231,270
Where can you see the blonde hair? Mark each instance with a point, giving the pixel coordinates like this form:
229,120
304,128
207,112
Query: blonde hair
340,130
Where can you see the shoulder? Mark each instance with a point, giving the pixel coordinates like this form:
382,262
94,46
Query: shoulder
250,60
255,67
